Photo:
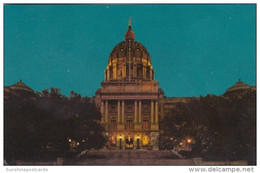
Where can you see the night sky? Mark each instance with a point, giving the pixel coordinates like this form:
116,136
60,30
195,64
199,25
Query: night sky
195,49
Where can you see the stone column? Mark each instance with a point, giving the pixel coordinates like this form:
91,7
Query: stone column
123,112
135,111
118,111
152,111
106,112
124,71
134,70
151,74
144,71
105,75
108,74
140,111
156,112
102,111
114,71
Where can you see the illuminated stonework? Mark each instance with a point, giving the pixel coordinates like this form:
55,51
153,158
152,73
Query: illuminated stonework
129,98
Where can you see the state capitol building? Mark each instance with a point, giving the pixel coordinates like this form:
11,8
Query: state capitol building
130,102
129,97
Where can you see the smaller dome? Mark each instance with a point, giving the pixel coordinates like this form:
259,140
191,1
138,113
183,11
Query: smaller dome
20,86
238,86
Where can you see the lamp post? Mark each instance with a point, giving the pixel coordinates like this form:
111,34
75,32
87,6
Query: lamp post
189,140
138,143
171,143
120,142
181,145
70,144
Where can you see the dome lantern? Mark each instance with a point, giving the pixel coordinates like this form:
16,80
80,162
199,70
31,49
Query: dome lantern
129,35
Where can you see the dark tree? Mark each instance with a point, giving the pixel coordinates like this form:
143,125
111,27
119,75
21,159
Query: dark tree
38,126
222,127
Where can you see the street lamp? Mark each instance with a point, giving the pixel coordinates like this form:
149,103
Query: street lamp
138,142
189,143
70,144
120,142
171,144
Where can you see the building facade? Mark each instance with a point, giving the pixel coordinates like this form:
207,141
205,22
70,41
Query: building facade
129,97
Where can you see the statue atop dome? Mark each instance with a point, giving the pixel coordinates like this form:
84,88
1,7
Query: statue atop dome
129,23
129,35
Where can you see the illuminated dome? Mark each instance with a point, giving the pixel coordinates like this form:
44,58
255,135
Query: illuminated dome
129,60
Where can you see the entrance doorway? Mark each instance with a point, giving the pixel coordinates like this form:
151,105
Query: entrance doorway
120,143
129,143
137,143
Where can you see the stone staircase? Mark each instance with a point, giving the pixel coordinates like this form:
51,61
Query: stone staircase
133,157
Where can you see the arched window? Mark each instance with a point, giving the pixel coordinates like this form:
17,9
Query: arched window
110,72
148,73
139,70
127,69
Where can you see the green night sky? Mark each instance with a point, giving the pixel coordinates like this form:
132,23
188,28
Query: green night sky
195,49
